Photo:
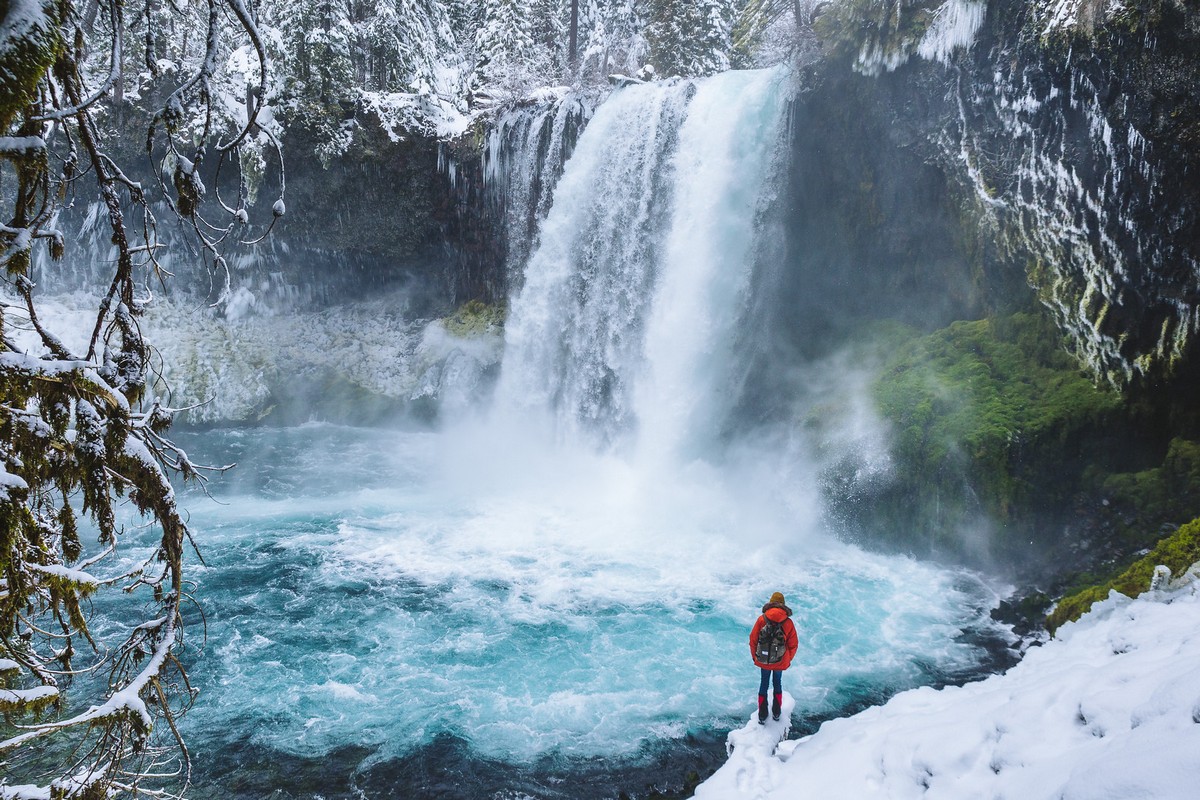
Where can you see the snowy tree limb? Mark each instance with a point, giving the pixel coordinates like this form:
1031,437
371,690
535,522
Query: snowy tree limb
77,436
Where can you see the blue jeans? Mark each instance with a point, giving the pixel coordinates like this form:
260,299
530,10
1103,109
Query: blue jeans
766,679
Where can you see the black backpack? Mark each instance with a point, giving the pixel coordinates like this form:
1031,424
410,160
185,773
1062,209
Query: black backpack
771,643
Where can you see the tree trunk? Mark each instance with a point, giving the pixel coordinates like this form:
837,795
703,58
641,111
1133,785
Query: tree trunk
573,43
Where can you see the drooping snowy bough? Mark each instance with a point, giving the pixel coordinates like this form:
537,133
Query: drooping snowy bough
79,438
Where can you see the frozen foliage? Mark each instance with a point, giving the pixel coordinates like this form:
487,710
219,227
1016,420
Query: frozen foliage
954,27
504,43
417,65
75,426
690,37
420,65
1065,181
1109,709
84,453
885,34
15,698
402,61
770,32
612,37
429,113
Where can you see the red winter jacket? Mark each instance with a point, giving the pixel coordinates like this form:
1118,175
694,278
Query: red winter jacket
776,612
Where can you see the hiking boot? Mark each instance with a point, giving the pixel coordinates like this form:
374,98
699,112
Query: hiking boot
776,707
762,709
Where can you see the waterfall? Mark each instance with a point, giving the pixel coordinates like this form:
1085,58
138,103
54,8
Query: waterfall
523,158
623,328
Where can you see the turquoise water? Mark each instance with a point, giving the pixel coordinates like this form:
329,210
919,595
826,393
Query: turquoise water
403,612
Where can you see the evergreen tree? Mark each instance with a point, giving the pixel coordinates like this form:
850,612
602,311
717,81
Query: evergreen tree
549,24
595,43
627,48
315,48
316,58
504,46
400,43
79,435
689,37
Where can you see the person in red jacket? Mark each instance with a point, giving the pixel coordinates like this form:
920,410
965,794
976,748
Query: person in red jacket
775,611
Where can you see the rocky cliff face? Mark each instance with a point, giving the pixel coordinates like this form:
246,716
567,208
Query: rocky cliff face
457,218
1067,135
1078,133
955,160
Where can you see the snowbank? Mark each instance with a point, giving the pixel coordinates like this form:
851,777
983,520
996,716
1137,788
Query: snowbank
1108,710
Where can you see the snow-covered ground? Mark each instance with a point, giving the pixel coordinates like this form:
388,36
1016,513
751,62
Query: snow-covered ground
1109,710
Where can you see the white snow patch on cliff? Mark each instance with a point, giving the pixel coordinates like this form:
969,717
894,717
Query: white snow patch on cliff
1074,15
233,364
954,26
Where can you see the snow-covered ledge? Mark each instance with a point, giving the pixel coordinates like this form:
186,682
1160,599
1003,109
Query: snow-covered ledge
1108,709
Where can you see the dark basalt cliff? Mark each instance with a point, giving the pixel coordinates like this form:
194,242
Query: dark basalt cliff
1048,171
1058,157
392,216
1085,143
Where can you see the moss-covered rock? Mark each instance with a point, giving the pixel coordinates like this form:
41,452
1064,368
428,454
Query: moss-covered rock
1122,118
1177,552
986,398
1148,499
474,318
993,428
983,391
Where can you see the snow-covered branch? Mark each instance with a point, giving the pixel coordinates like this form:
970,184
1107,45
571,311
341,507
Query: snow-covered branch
77,436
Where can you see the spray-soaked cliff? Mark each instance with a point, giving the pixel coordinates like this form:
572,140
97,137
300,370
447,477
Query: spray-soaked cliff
982,148
992,213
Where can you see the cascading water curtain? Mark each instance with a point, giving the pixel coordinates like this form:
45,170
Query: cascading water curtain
620,331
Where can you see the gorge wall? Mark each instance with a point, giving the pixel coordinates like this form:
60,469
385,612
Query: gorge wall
951,159
1031,166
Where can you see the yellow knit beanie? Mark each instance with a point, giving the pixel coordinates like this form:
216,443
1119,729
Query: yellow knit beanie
778,598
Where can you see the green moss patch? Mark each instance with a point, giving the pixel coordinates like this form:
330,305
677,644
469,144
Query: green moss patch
1170,492
30,43
474,318
996,401
1177,552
